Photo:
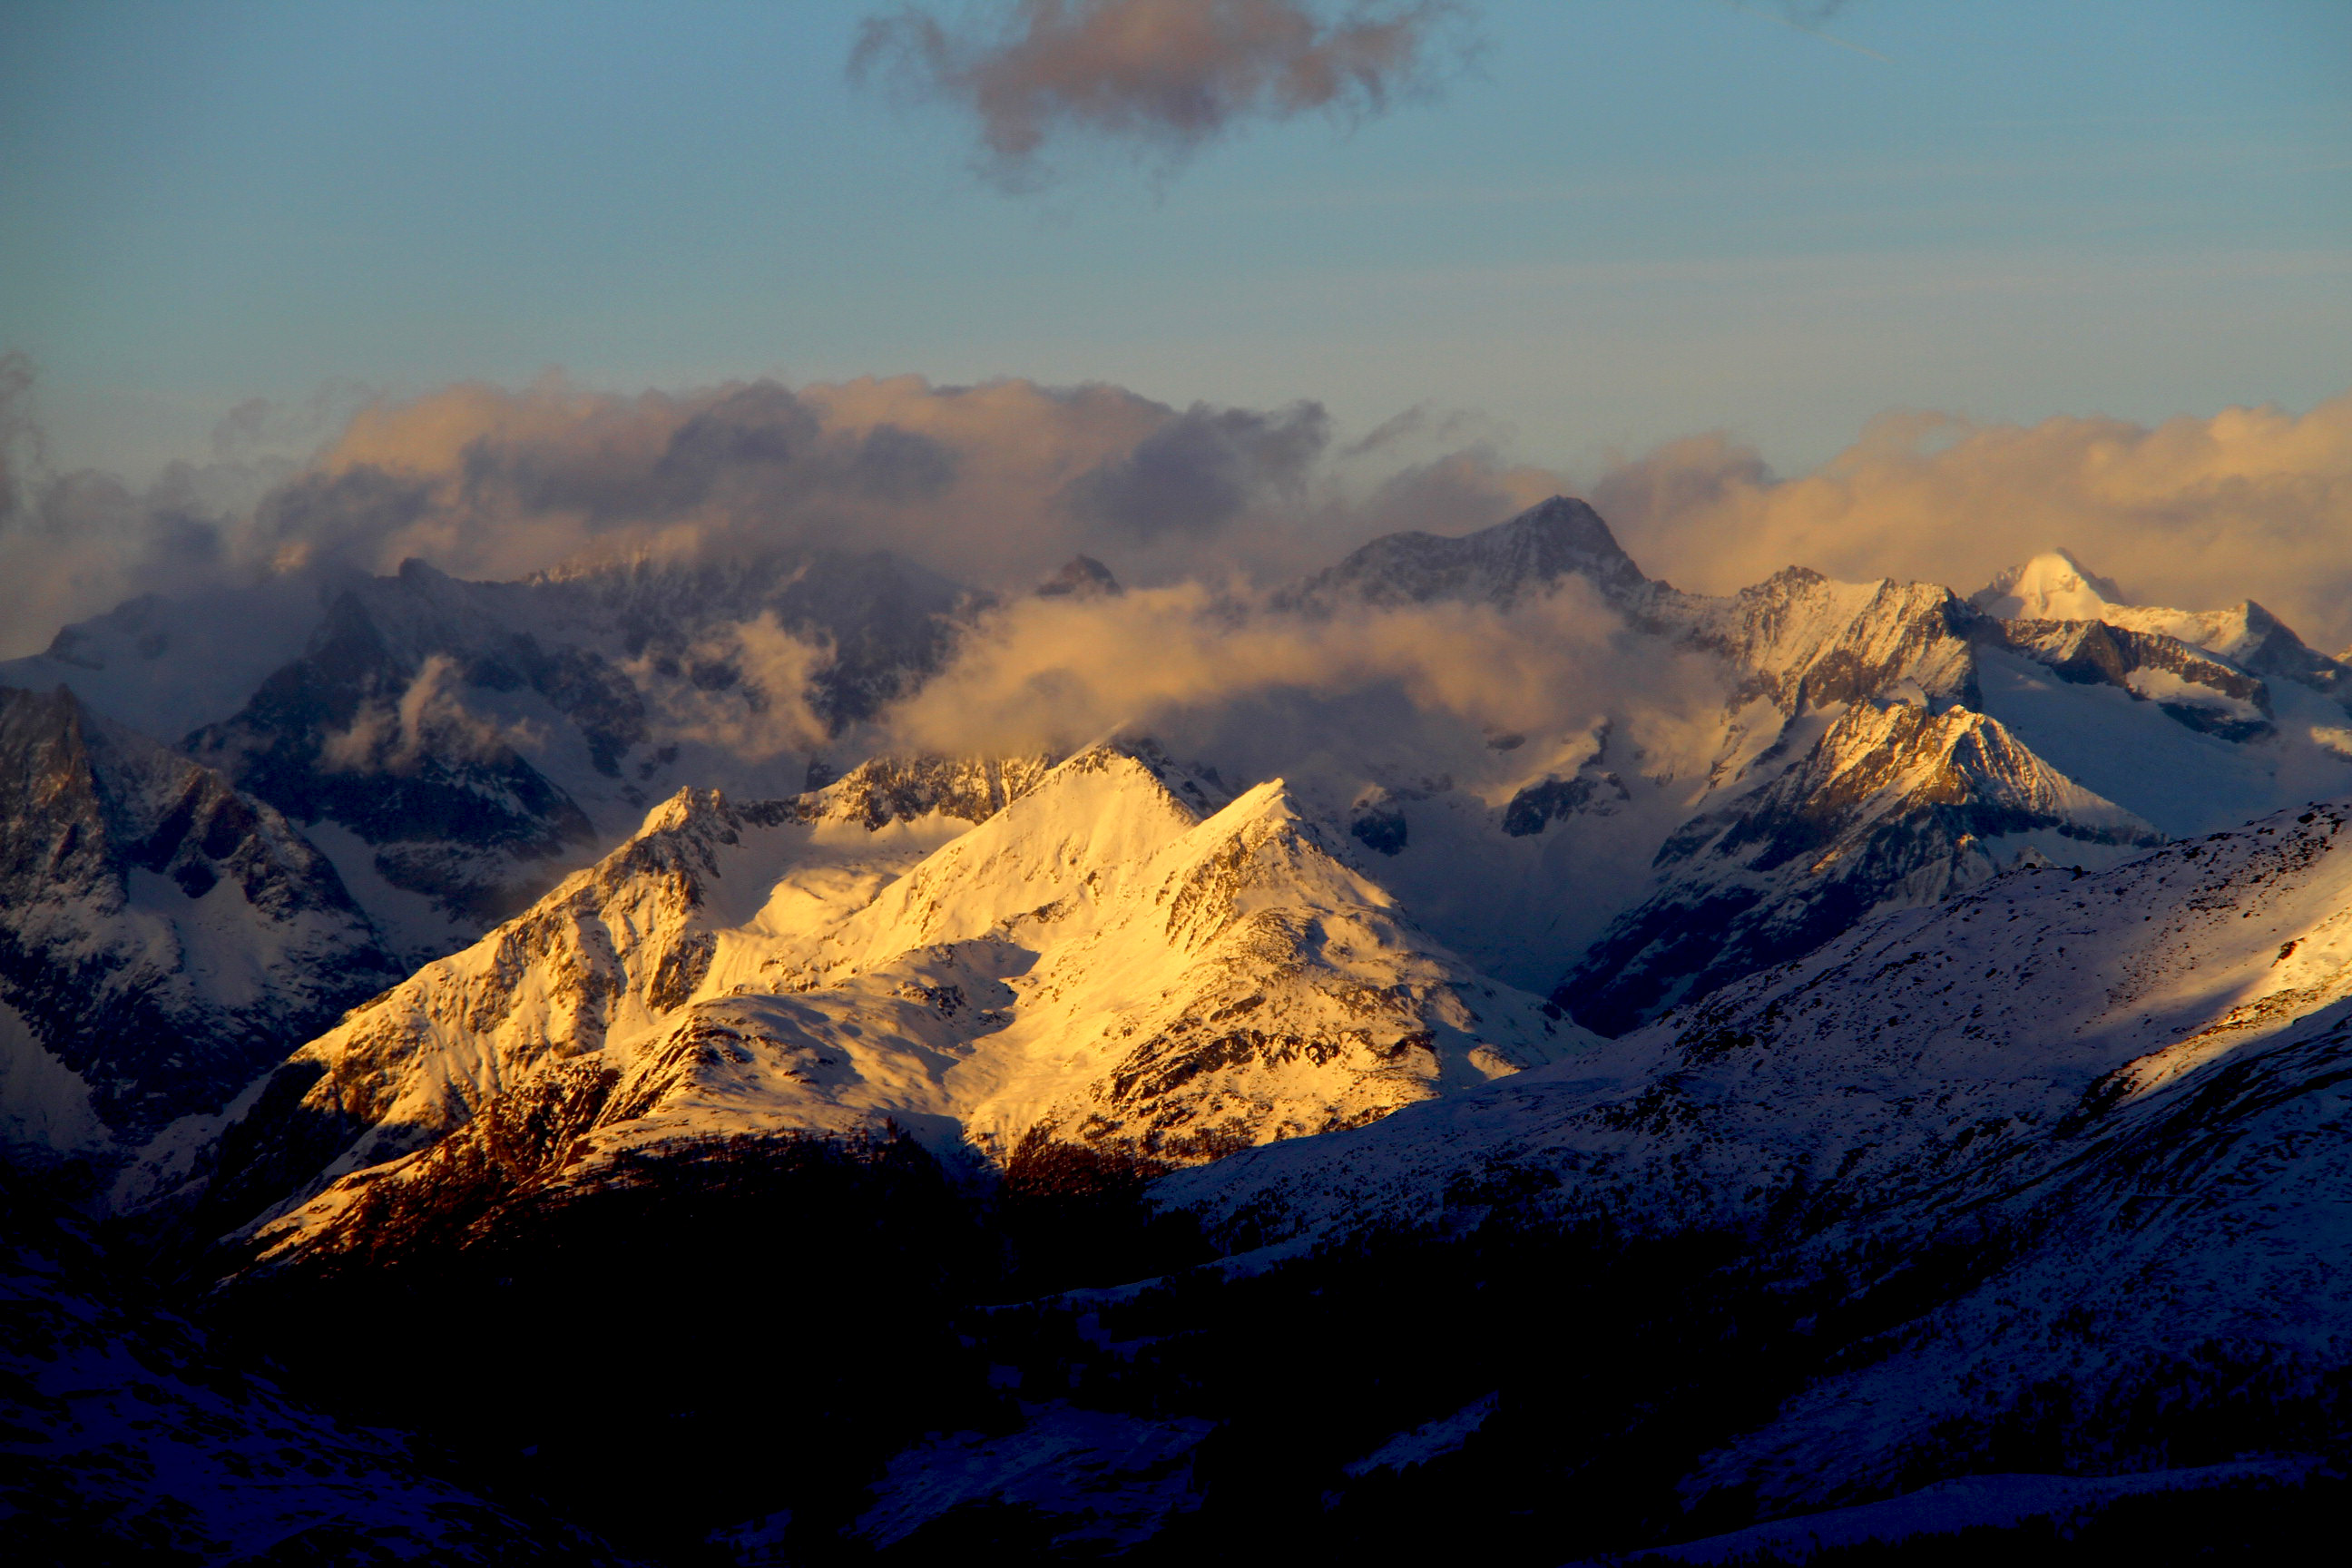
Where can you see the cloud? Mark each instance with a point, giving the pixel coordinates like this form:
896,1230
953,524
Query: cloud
2193,512
430,718
1220,675
1195,472
77,544
997,485
1161,78
759,709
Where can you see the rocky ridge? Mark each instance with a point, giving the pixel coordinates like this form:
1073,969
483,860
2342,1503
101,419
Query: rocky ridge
1118,959
163,937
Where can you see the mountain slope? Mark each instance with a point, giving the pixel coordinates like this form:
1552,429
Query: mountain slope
1896,804
1107,963
2057,587
607,954
2110,1103
128,1438
1500,565
162,938
455,745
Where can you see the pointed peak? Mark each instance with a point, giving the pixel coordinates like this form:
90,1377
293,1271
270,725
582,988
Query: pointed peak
1523,556
1558,512
2052,586
1081,577
1199,788
678,810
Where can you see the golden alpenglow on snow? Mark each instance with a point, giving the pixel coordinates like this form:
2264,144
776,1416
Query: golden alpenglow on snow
1174,781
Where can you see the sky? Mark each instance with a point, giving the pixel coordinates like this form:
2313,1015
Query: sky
1587,227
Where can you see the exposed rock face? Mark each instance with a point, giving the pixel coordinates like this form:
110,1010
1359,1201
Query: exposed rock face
887,621
1803,642
2189,686
350,733
889,789
162,936
1761,847
615,947
2057,587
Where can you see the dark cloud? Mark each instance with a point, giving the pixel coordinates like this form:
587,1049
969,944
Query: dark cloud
346,520
1159,77
1196,472
994,485
999,484
20,434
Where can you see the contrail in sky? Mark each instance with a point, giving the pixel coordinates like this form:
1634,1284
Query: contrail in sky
1791,23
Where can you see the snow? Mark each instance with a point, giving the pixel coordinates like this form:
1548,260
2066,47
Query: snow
1109,1479
2183,781
411,925
1430,1440
1989,1501
216,940
2139,1068
164,666
1063,964
2052,586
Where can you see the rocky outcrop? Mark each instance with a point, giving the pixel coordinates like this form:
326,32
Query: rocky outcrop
163,937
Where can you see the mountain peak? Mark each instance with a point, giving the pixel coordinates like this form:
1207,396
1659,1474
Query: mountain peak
2052,586
1513,560
1081,577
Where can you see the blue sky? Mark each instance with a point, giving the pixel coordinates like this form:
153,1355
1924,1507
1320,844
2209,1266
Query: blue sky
1630,221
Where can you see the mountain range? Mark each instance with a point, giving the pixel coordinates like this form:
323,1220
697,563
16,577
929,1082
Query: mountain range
1946,993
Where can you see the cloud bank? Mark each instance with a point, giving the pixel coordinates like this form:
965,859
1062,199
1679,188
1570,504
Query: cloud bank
1159,78
998,485
1415,696
2194,513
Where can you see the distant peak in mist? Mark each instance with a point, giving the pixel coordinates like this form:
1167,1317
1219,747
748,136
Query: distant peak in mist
1081,577
1524,556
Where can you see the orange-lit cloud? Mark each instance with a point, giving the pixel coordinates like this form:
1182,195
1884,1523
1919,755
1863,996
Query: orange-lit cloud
2195,513
1158,76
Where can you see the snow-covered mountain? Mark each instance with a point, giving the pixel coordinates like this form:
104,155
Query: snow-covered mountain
449,747
162,938
1894,805
1942,966
2056,587
1877,744
453,746
1118,959
1500,565
2121,1088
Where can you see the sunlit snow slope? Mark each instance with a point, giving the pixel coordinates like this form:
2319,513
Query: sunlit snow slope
1117,960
